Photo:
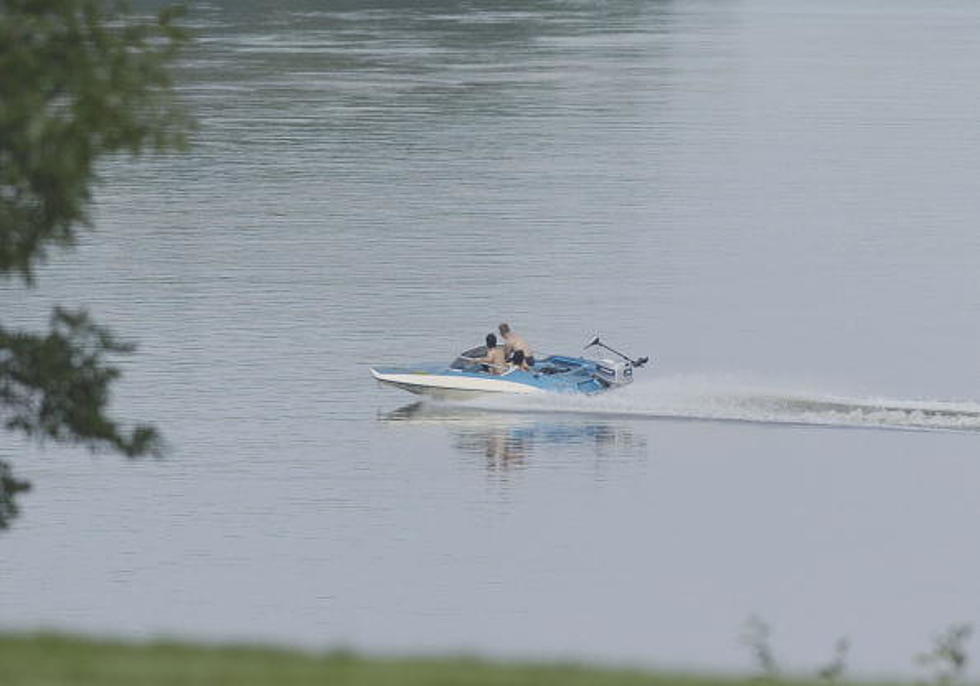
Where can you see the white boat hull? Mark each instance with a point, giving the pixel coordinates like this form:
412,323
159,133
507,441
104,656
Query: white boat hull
449,386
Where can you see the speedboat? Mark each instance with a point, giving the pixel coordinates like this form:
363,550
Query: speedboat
466,376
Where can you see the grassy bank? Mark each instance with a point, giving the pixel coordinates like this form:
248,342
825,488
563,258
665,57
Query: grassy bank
57,660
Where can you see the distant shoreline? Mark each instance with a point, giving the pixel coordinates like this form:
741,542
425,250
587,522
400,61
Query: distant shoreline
62,659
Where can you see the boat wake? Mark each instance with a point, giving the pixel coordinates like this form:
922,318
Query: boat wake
700,398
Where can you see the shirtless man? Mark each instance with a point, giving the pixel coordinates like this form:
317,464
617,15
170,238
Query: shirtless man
513,342
494,358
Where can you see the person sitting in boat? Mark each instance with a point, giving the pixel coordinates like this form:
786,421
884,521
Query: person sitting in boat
518,361
495,360
514,342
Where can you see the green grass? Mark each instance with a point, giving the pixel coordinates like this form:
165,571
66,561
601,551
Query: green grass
53,660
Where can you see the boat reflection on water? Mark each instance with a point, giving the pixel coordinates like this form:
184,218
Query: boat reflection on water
507,440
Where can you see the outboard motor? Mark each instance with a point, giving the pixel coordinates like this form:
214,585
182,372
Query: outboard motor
615,373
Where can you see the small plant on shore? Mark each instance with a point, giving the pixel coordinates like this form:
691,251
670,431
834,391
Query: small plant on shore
756,635
835,669
948,658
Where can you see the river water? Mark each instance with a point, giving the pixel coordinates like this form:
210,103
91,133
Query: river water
776,200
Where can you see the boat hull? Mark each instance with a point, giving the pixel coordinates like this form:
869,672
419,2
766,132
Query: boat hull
451,386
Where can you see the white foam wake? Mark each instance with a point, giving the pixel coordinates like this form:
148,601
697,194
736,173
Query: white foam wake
721,399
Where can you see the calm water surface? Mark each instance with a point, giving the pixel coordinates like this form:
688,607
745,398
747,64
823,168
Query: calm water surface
776,200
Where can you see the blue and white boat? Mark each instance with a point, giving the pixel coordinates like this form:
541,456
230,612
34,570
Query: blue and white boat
466,376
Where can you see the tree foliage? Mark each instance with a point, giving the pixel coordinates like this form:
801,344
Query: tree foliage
79,79
9,488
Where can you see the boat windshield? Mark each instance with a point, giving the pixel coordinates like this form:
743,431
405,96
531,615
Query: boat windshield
468,358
